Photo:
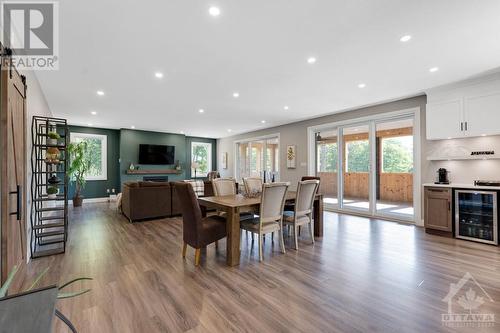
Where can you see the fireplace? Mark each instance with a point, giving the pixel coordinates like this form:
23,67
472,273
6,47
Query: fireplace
155,178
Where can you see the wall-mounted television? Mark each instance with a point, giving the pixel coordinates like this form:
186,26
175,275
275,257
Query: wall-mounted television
156,154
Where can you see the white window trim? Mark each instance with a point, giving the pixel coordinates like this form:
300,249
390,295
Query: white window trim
209,158
104,152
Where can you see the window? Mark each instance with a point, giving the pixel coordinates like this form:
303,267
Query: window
256,157
201,153
397,154
327,155
357,156
97,148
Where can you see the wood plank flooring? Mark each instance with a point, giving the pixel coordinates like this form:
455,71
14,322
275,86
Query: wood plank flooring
363,276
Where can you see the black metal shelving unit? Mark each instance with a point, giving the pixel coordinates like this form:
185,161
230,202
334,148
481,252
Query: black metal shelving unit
49,215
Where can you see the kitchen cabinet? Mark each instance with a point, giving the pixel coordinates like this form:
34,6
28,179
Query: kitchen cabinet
437,206
464,110
445,119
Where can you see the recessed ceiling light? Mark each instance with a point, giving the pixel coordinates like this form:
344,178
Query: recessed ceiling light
483,134
286,107
93,113
159,75
405,38
182,132
263,121
90,124
201,111
433,69
449,138
229,130
132,127
361,85
236,94
311,60
214,11
100,92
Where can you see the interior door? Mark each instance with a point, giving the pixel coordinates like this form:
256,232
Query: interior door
13,128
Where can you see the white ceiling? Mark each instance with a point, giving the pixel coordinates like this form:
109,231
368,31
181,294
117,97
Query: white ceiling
260,49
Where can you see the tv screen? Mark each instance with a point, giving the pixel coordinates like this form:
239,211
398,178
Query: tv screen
156,154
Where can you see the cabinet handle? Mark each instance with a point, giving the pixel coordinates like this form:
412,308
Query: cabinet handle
461,126
436,190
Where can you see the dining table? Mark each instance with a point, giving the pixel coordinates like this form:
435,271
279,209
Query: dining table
232,205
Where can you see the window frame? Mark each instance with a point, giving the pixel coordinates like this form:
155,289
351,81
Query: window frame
104,152
208,145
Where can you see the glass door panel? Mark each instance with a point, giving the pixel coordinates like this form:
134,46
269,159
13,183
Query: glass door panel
243,160
394,168
356,168
257,158
476,216
271,158
327,163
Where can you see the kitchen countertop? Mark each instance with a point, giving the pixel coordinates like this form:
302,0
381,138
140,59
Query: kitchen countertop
468,186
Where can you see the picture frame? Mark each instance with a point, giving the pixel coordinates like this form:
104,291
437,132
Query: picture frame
291,156
224,160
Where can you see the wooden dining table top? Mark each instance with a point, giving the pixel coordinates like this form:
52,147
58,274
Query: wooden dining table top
239,200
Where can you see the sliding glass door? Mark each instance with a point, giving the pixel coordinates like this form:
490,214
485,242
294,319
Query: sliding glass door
258,158
368,167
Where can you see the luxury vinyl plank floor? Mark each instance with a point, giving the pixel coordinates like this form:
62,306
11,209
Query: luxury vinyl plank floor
364,275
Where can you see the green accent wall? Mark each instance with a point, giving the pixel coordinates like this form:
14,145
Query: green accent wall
97,188
123,149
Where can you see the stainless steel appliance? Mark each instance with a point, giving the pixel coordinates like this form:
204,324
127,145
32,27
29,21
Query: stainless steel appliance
443,176
476,216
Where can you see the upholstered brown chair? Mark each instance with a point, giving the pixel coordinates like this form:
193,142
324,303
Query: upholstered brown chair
198,232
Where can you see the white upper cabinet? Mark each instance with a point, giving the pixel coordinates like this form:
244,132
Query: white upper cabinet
464,109
439,118
483,114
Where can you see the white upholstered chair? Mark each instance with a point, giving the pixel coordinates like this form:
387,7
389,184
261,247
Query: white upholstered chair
227,186
270,217
252,184
303,208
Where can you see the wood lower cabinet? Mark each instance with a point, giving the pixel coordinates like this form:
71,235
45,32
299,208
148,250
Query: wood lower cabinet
438,212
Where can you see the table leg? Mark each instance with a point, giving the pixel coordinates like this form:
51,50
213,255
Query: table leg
318,217
233,237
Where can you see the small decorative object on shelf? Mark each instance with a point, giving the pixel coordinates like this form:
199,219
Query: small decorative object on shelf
132,166
49,186
52,192
52,138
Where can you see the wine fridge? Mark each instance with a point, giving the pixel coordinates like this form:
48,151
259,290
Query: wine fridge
476,216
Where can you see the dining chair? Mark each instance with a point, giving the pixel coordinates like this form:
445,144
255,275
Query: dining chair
252,184
303,209
197,232
291,206
270,218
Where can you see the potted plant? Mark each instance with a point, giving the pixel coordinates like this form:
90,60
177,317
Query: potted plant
79,166
52,192
52,138
52,155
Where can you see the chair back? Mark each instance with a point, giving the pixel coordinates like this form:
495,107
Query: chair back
272,201
211,175
306,191
252,184
191,213
224,186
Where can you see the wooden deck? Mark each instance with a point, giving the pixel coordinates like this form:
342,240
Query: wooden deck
363,276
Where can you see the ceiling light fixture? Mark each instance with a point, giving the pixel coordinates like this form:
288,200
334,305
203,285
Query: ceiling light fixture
311,60
182,132
93,113
229,130
361,85
90,124
236,94
132,127
263,121
159,75
214,11
405,38
201,111
285,107
100,92
433,69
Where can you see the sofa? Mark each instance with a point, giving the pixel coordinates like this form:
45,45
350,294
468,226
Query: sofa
149,199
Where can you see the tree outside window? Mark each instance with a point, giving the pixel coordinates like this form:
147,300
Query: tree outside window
327,157
201,153
97,149
397,154
357,156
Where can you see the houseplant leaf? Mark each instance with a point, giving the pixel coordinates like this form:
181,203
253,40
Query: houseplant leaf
6,285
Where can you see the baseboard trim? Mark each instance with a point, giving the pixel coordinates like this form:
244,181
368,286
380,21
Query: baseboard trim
92,200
